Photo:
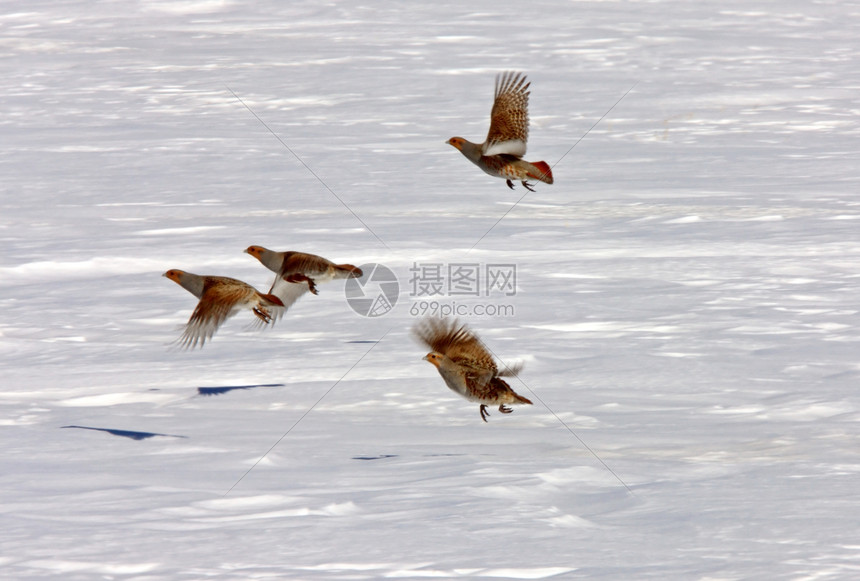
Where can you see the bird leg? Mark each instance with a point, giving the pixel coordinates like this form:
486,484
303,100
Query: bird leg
484,412
505,409
299,277
527,185
510,184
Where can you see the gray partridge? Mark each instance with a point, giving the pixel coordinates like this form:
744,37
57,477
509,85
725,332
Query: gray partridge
220,298
299,272
466,365
501,153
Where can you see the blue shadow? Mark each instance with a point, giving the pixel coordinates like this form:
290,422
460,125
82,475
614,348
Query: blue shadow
126,433
228,388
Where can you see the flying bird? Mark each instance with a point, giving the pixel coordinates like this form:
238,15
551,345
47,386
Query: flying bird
220,298
466,365
501,153
299,272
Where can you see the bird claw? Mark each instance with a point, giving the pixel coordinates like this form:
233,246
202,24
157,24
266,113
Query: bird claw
300,278
484,412
505,409
526,185
510,184
263,315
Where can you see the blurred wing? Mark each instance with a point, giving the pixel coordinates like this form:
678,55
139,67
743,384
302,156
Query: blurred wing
459,344
267,311
509,119
220,300
440,334
511,370
288,292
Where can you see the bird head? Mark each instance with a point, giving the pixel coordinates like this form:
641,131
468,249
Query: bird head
434,358
255,251
174,275
456,142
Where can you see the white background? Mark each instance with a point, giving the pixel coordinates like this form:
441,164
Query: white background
687,300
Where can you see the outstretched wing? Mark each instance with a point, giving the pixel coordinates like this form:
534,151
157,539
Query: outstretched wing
460,345
509,119
511,370
220,299
288,292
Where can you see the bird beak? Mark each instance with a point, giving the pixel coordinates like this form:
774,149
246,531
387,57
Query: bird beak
426,358
165,274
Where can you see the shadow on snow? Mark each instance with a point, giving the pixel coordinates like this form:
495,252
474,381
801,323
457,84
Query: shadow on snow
126,433
228,388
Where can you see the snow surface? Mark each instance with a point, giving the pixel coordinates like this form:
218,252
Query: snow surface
686,309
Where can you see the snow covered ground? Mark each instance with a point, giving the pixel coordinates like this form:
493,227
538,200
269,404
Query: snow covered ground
686,305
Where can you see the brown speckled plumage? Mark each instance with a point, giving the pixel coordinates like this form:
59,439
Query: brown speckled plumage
501,153
220,298
298,272
466,365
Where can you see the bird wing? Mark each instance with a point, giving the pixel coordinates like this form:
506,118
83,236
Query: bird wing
268,310
511,370
457,342
478,368
221,297
288,292
509,119
310,265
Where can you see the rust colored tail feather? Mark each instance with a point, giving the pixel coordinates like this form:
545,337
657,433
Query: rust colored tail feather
273,299
349,270
545,174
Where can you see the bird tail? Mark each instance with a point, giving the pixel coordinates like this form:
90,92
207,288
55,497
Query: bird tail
270,310
501,384
272,300
520,399
545,172
347,270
